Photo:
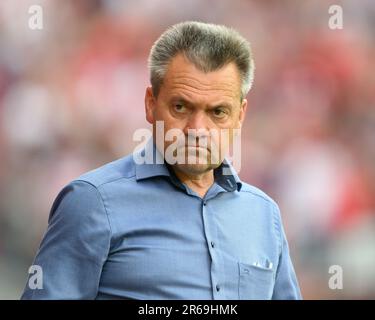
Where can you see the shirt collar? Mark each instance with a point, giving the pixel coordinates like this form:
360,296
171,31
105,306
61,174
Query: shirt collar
224,175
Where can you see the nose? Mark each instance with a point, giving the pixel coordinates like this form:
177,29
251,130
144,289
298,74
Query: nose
197,121
197,130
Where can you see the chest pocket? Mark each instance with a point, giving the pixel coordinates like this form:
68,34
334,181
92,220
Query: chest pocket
255,283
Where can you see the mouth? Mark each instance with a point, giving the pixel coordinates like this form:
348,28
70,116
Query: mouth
196,147
196,150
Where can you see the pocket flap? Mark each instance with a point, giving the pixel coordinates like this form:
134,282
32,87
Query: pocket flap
255,282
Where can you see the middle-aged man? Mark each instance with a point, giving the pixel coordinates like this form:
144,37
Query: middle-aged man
173,229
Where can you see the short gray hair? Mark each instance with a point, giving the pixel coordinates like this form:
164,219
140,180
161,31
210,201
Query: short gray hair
208,46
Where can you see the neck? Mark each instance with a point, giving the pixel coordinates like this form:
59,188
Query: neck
199,183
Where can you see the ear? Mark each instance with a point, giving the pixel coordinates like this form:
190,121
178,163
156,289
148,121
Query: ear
242,112
150,103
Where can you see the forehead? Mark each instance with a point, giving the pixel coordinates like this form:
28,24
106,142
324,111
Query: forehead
182,77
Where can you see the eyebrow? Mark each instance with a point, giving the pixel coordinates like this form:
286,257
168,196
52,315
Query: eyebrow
222,105
178,99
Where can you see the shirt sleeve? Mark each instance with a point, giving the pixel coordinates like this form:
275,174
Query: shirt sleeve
286,283
74,247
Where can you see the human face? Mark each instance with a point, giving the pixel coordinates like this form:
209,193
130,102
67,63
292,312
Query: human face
191,99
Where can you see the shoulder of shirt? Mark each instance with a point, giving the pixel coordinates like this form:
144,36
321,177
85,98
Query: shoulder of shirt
268,202
254,191
123,168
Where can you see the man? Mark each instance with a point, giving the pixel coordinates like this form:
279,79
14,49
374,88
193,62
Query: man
187,229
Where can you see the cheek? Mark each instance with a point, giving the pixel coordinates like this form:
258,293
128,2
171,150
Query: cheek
163,113
224,138
172,125
159,113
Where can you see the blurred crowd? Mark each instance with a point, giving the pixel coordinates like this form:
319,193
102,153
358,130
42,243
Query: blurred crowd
71,97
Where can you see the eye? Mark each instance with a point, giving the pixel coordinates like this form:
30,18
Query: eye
219,112
179,107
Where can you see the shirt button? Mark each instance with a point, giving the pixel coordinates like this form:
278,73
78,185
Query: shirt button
204,203
212,244
217,288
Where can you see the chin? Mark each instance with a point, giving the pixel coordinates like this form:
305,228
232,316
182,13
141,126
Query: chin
195,169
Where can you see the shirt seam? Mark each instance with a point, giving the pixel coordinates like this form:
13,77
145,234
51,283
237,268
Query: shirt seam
102,201
277,222
260,196
103,183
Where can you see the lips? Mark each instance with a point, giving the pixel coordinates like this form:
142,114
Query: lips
196,147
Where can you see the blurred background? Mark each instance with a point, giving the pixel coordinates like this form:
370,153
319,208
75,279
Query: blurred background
71,97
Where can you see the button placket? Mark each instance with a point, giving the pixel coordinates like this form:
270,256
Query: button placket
209,233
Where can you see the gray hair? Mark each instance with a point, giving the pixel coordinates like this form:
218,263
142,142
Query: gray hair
208,46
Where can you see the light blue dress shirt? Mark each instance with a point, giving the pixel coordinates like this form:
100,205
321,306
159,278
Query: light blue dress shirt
134,231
